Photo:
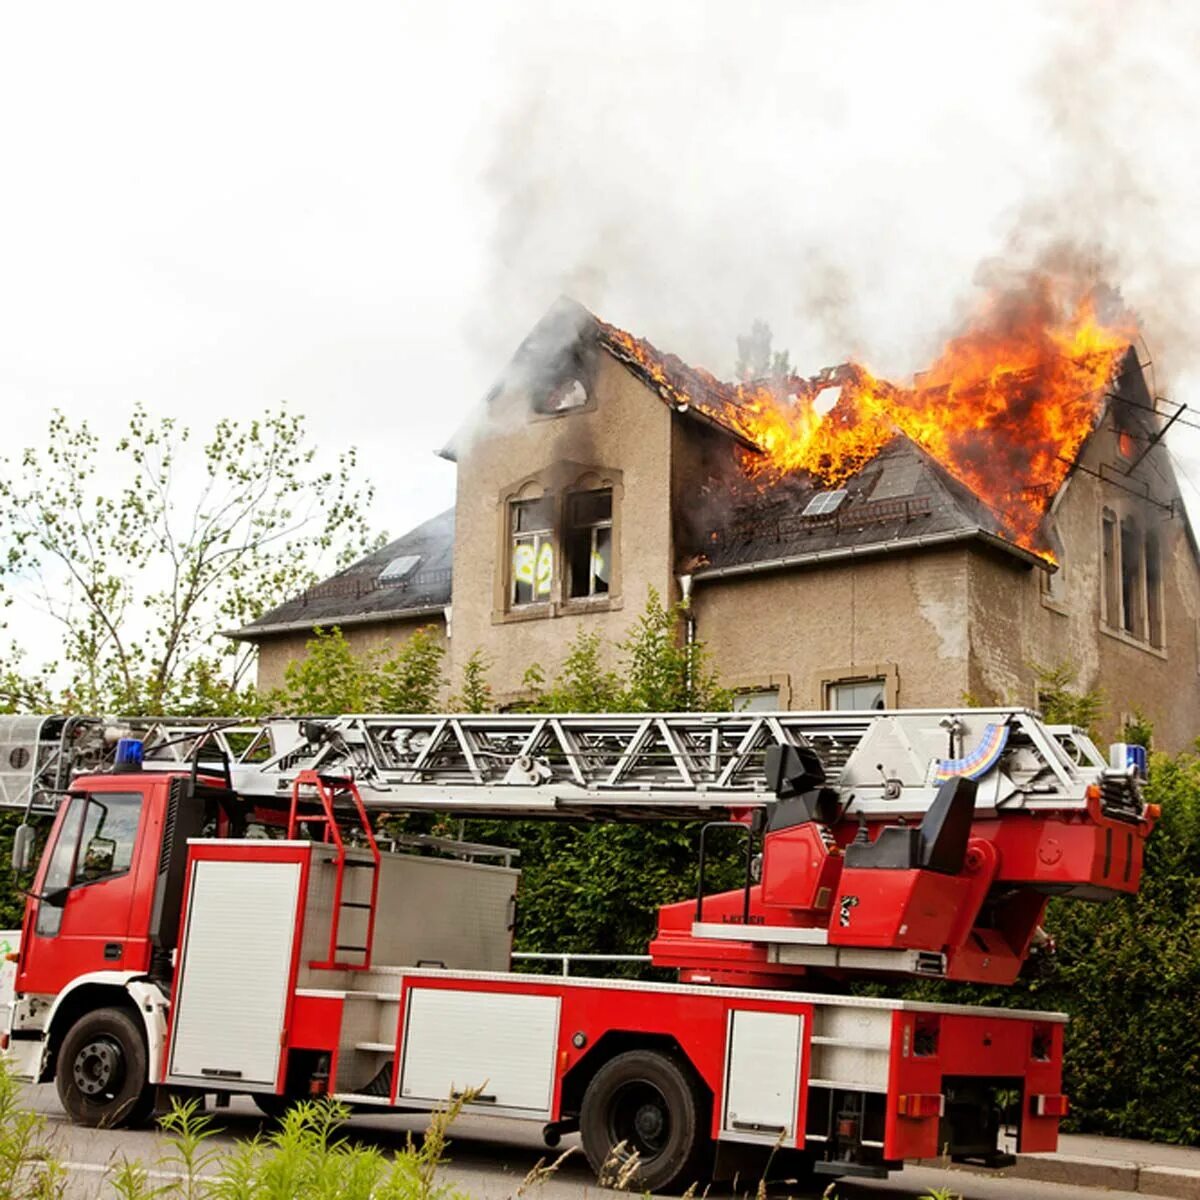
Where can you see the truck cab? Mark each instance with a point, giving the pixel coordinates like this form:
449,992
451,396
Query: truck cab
98,935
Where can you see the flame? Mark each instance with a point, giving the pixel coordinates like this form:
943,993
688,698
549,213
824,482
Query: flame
1004,409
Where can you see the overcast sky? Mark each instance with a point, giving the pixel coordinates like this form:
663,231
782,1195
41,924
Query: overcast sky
360,209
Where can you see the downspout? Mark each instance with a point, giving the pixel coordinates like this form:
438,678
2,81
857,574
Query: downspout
689,624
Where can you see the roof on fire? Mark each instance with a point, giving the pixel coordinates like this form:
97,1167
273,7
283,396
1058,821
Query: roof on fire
901,500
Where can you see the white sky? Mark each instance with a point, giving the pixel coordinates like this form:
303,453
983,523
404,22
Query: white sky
360,209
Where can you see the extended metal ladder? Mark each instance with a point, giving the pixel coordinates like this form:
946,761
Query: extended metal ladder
634,766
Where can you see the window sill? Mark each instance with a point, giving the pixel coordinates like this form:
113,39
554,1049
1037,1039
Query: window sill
567,608
588,604
527,612
1119,635
1055,606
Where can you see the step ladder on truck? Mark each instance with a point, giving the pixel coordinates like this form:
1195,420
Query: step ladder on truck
213,913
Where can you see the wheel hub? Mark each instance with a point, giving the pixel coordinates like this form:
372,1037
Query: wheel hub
649,1123
98,1067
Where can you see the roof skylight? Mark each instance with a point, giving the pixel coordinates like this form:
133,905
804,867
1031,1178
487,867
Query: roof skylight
823,503
399,568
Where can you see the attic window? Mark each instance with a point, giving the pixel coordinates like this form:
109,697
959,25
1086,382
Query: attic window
399,568
566,397
824,503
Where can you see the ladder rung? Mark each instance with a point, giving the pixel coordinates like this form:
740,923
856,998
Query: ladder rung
355,904
356,949
353,862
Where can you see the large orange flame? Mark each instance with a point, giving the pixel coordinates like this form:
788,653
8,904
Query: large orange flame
1005,408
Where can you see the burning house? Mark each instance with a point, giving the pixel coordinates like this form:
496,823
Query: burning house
842,542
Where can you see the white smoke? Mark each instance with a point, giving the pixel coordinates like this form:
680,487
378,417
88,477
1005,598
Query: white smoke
851,173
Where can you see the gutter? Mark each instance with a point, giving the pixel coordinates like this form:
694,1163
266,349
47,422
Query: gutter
843,553
252,633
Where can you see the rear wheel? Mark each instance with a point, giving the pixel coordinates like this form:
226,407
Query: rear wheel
102,1075
272,1105
648,1105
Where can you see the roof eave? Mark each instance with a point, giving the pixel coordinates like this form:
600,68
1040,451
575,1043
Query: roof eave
252,633
872,549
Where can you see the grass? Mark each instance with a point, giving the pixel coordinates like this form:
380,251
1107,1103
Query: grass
305,1157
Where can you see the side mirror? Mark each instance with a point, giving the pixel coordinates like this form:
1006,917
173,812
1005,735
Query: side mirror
99,857
22,850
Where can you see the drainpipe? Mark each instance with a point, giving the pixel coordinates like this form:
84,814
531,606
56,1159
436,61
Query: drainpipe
689,618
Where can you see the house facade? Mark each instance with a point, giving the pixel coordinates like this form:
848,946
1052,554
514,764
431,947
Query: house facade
589,477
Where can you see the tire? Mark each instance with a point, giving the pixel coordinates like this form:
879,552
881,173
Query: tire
653,1103
273,1106
102,1072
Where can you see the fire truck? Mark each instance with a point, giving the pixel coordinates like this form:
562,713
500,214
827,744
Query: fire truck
217,910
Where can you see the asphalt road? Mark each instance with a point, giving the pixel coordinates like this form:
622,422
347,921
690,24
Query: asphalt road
489,1159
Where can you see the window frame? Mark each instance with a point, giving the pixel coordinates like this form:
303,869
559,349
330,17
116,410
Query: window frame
831,677
540,537
570,527
752,693
554,486
1132,610
833,685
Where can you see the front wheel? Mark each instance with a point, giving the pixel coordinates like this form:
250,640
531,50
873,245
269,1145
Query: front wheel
102,1075
650,1105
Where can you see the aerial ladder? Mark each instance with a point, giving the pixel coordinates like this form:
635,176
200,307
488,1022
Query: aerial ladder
912,842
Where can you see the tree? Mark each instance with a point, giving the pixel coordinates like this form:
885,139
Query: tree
659,670
140,577
755,358
1061,703
476,694
332,678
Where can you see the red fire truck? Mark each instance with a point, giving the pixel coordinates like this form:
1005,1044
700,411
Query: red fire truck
214,913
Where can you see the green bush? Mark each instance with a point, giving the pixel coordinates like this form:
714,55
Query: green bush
1128,973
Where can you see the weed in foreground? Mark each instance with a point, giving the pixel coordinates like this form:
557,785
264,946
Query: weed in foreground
29,1169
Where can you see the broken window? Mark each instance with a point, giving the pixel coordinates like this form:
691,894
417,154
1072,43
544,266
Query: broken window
1112,571
568,395
532,524
1154,612
1131,579
589,543
856,695
1132,568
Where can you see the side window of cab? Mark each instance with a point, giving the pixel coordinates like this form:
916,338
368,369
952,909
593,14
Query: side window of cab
95,842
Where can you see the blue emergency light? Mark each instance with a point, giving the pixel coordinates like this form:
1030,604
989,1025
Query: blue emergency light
1123,755
129,754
